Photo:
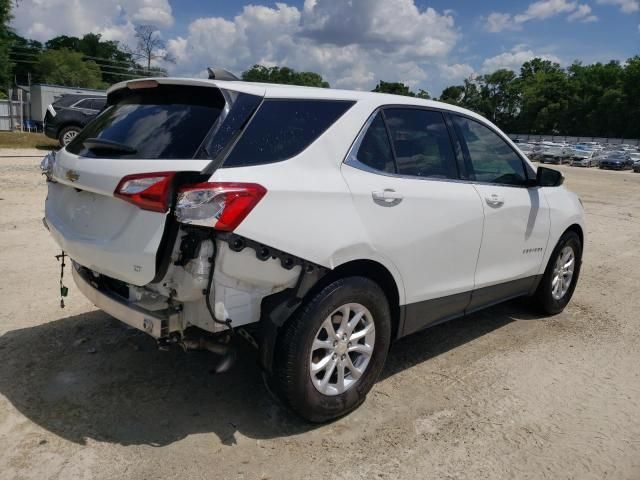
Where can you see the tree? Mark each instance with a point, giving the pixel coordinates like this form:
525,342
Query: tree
24,54
453,95
116,64
150,46
283,75
5,66
64,67
398,88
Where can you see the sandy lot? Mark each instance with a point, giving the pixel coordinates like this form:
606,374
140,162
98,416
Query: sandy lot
501,394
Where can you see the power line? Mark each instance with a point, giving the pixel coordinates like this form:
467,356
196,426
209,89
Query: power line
110,69
104,59
116,74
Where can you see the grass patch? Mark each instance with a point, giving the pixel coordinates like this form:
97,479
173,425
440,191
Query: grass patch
26,140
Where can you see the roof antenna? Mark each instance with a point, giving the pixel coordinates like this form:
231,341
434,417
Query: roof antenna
220,74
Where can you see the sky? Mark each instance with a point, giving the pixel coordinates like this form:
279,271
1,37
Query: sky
427,44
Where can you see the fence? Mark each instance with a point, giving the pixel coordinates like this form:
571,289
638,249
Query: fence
566,138
12,114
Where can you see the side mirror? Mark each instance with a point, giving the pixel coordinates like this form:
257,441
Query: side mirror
547,177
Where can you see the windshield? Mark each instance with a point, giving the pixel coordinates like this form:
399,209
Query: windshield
167,121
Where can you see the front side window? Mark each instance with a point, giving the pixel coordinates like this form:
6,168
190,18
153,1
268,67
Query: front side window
492,159
282,129
421,143
375,149
166,122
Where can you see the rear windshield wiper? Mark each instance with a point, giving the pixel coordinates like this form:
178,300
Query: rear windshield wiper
102,144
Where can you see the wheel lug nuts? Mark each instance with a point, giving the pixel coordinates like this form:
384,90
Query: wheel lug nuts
342,357
349,345
334,356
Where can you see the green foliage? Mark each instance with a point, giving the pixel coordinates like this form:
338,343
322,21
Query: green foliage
283,75
592,100
64,67
5,64
398,88
114,62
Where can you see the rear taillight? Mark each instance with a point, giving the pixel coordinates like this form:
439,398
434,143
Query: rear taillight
220,205
149,191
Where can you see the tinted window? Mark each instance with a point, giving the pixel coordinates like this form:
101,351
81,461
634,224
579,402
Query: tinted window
162,122
492,160
282,129
375,149
86,103
97,103
421,143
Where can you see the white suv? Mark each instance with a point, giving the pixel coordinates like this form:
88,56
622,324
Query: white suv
325,223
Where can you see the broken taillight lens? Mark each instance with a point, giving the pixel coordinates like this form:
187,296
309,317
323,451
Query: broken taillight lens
221,205
149,191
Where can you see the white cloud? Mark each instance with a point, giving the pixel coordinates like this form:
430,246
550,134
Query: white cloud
497,21
626,6
582,14
353,44
514,59
43,19
456,72
541,10
544,9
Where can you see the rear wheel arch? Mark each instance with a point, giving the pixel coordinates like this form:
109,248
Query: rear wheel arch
374,271
279,309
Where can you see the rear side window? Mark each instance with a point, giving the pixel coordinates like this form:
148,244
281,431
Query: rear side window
168,122
375,149
492,159
421,142
281,129
86,103
97,103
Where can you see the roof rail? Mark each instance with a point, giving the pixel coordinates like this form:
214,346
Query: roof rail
220,74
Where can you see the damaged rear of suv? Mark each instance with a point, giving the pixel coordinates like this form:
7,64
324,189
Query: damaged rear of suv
321,224
141,203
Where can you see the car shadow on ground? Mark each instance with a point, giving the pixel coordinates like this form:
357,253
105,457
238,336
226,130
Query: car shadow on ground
90,377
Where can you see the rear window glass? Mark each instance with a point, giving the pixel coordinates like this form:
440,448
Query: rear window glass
281,129
163,122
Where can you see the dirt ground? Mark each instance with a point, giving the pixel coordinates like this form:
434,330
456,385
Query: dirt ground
501,394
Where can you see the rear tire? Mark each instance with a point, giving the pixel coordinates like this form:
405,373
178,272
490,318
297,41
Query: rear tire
354,356
561,275
67,134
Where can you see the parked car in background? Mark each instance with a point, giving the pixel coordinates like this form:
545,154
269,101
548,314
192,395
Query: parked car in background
69,114
557,154
191,209
583,158
636,167
527,149
616,160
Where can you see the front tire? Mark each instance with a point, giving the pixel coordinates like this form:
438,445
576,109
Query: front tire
561,275
332,351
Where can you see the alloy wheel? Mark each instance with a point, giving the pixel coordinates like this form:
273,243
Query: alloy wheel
342,349
563,273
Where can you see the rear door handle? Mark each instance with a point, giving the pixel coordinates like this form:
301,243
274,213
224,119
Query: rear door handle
494,200
387,197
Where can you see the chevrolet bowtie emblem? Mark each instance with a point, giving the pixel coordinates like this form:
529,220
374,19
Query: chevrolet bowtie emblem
72,175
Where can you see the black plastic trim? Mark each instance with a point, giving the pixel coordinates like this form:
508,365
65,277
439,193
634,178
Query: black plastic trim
420,315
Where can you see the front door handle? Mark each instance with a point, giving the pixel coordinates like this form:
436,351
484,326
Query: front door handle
387,197
494,200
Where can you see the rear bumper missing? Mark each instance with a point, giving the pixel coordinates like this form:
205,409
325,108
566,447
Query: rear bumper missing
153,323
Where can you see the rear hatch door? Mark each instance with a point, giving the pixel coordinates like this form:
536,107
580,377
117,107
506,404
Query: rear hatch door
146,128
